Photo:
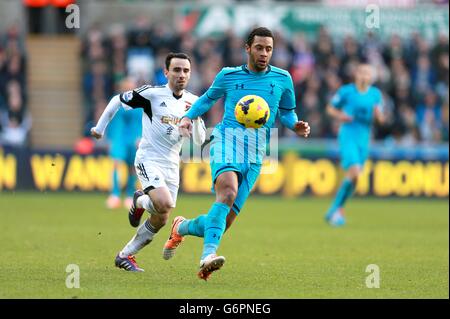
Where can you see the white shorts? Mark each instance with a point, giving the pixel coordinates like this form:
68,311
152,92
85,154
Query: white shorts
152,175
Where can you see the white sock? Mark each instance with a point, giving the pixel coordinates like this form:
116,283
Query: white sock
143,237
145,201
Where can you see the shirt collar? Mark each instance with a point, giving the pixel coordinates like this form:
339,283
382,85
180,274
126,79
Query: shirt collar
173,94
246,69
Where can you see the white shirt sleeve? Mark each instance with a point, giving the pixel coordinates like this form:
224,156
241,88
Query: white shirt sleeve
198,131
109,112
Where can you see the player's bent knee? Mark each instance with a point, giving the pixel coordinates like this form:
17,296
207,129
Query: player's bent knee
354,178
353,173
164,207
227,195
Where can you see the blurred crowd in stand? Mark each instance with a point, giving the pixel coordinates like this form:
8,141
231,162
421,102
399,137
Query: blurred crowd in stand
15,122
412,73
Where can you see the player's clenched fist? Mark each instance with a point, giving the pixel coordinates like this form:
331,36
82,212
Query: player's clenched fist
302,128
185,127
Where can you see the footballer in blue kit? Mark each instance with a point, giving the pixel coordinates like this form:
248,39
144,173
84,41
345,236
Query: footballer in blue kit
355,105
236,153
124,134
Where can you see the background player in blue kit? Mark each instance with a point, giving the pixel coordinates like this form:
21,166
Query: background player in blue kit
233,179
124,133
355,105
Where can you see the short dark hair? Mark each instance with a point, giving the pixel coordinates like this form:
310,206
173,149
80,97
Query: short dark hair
178,55
260,31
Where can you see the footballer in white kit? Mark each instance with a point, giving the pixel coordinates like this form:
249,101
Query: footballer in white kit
158,155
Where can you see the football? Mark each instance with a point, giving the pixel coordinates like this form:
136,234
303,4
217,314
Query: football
252,111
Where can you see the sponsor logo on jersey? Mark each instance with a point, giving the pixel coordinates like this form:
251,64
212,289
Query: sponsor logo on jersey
163,104
167,119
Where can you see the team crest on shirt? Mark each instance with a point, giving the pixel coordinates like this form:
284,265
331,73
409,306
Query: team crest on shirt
187,106
272,86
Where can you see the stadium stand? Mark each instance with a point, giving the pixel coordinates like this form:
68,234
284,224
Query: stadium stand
412,73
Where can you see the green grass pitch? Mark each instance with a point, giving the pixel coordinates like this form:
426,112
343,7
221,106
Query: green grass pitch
277,248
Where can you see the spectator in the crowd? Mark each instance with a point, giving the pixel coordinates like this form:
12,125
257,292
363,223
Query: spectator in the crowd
15,102
351,50
14,121
233,50
428,115
323,49
118,49
160,78
140,34
15,131
282,56
186,43
3,79
98,83
371,42
442,73
423,76
394,50
440,48
303,59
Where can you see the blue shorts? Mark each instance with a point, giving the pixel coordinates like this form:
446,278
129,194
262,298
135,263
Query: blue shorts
352,153
122,151
247,175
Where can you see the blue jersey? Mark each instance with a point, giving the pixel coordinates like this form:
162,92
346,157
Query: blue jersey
232,83
360,106
126,127
275,86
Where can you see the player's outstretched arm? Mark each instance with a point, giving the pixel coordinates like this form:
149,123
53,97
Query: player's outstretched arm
201,106
109,112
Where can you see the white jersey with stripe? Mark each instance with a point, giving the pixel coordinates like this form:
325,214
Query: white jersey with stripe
161,141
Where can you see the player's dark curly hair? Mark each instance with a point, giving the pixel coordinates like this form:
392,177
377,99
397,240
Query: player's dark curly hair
179,55
260,31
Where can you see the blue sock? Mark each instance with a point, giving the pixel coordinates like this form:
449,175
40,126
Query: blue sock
215,224
115,183
345,191
130,185
194,227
